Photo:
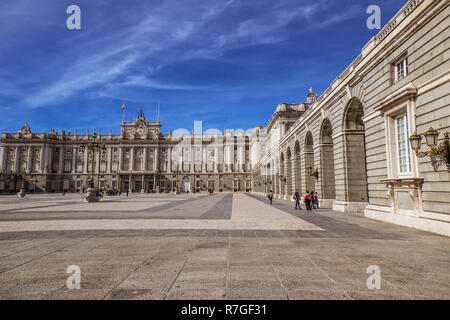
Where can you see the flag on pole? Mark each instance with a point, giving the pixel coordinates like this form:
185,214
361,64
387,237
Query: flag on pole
123,112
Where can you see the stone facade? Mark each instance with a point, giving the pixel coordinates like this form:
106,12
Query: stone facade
351,144
140,159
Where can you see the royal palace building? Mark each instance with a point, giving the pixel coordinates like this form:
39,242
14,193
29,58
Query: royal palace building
140,159
373,143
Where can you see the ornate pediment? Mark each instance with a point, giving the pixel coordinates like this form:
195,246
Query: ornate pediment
140,129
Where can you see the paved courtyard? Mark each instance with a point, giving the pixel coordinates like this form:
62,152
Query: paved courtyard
225,246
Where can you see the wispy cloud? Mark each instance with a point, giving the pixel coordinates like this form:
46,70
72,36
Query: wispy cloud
195,54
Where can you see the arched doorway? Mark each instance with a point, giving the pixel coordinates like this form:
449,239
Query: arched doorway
309,163
186,184
355,152
327,175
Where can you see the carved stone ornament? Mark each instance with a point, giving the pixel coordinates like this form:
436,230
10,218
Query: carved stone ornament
25,129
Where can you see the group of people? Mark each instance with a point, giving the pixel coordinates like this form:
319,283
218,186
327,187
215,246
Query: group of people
311,200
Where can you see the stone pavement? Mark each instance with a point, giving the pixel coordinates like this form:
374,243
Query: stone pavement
225,246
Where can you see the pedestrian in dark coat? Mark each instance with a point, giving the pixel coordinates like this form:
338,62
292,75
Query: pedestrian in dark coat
270,196
297,200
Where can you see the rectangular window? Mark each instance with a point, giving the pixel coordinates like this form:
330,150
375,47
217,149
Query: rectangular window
400,70
67,167
403,152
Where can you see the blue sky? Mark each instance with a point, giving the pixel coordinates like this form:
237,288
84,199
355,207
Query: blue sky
227,63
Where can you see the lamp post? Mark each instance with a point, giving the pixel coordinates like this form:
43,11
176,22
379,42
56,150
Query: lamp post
21,173
93,146
439,154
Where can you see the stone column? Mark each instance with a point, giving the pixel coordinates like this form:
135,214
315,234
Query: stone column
169,160
156,159
29,158
295,173
2,158
216,160
86,162
192,159
49,158
120,158
145,164
204,159
241,156
288,177
45,157
97,162
109,163
17,158
61,160
42,159
74,159
132,159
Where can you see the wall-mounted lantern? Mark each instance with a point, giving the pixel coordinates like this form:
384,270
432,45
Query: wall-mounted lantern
439,154
312,172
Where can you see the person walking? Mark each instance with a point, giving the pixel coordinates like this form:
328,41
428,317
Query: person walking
297,200
313,203
316,200
127,192
270,196
307,198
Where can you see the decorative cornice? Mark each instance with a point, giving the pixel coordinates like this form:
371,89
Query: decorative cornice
405,93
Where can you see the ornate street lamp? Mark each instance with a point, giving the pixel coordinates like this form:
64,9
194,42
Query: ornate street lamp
21,173
92,146
439,154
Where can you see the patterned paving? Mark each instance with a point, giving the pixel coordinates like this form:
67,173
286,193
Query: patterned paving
226,246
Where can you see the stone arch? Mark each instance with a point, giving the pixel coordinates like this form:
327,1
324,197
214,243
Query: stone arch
288,172
282,175
276,178
309,161
297,167
355,152
327,175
